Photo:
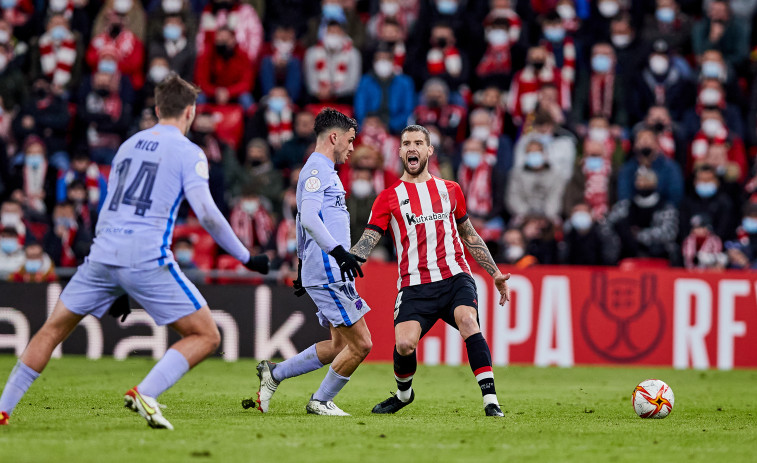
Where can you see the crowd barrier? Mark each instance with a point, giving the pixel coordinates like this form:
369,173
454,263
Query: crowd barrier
560,316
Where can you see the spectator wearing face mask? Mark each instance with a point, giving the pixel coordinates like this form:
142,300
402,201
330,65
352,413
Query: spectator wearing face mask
395,11
176,46
587,241
630,50
258,171
703,249
388,95
559,145
12,216
709,200
83,169
161,10
662,81
157,70
646,224
334,10
236,16
669,23
13,89
333,66
727,171
65,242
47,116
713,66
435,108
538,72
712,97
486,127
561,46
281,63
252,222
294,150
441,58
57,56
131,15
483,187
504,48
105,107
37,268
274,119
286,239
600,90
671,137
593,182
36,177
535,187
224,72
513,250
367,164
86,213
222,161
19,14
646,155
718,30
713,130
742,252
126,49
184,253
11,252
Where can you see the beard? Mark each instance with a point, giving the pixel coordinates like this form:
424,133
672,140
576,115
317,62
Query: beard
421,166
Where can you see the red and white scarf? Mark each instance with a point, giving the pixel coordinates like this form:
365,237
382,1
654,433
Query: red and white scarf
496,60
477,186
701,143
34,186
693,245
252,230
439,61
568,68
241,18
279,126
601,94
57,58
667,144
399,57
596,189
328,78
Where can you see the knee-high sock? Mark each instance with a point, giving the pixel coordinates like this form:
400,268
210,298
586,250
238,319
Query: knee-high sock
19,381
404,370
304,362
330,386
480,359
164,374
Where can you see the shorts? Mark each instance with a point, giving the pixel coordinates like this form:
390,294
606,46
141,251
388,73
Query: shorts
338,304
426,303
164,292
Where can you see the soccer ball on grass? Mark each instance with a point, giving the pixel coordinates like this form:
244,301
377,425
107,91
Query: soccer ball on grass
652,398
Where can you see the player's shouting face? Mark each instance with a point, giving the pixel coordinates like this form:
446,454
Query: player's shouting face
414,152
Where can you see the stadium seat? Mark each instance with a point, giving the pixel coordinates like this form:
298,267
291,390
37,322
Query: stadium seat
205,247
229,122
638,263
315,108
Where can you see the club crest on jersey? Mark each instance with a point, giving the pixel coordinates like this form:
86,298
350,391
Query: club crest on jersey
413,219
444,196
312,184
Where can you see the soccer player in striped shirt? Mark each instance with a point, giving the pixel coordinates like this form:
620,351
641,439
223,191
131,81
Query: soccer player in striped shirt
428,221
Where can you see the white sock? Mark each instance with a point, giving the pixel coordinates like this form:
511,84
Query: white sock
404,395
490,399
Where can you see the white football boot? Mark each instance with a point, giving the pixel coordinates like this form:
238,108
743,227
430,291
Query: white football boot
268,385
148,407
324,407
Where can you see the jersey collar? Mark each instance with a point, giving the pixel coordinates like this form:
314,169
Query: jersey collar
331,163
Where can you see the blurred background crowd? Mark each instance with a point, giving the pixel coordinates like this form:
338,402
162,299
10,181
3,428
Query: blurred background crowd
581,132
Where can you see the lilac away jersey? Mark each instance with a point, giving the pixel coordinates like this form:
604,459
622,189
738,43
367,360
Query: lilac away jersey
150,174
319,182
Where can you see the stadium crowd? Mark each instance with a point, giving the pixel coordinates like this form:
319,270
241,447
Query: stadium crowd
581,132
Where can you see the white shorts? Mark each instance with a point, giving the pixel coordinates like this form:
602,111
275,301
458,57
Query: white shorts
338,303
164,292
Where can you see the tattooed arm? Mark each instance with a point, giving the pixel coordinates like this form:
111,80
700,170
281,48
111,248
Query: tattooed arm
367,242
477,248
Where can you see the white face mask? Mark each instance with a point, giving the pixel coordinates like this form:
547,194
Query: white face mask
390,8
383,68
480,132
598,133
171,6
620,40
333,41
712,127
659,64
158,73
497,37
4,36
472,159
435,140
361,188
608,8
58,5
566,11
709,97
514,253
122,6
581,220
10,219
250,206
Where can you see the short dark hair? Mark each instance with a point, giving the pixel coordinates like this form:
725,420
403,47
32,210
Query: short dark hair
417,128
330,118
173,95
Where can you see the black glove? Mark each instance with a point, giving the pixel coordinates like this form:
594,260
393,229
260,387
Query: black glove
260,264
298,289
348,263
120,307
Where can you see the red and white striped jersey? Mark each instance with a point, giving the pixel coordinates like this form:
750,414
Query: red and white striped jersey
423,220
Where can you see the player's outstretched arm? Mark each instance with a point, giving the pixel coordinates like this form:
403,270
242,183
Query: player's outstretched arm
215,223
481,254
366,243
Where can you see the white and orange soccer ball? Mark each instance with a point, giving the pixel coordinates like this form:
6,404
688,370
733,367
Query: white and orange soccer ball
653,398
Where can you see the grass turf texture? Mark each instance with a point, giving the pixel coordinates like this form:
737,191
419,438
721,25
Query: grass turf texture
74,412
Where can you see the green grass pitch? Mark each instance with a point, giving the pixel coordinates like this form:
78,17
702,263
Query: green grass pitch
74,413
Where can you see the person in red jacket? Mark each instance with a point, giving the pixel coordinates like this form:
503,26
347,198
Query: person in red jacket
224,72
131,51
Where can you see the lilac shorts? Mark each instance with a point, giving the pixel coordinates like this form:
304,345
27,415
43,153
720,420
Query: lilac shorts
338,303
